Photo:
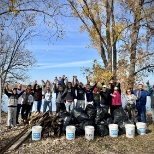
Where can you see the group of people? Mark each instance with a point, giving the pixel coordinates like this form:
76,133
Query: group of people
108,96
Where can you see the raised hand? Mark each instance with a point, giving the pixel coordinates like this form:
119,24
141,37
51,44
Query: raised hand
55,81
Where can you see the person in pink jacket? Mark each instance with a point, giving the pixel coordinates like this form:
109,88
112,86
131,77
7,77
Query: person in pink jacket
116,99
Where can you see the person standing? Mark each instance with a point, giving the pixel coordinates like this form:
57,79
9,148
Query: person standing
130,105
89,94
141,102
105,97
12,105
27,99
37,97
19,90
116,99
151,91
47,100
59,90
69,96
96,96
80,93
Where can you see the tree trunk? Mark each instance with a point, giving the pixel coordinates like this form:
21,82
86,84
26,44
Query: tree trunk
114,43
134,38
108,36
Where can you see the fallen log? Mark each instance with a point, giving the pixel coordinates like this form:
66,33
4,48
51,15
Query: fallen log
20,141
5,148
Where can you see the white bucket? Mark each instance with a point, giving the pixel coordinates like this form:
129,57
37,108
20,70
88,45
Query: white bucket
113,130
70,132
89,132
141,128
130,130
36,132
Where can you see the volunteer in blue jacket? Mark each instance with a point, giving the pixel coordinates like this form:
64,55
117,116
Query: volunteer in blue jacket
141,102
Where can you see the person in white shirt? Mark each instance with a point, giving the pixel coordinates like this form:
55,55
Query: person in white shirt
19,90
47,100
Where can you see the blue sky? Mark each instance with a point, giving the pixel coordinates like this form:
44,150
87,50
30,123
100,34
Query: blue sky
66,56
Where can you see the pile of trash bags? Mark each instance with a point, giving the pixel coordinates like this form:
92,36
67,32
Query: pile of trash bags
97,117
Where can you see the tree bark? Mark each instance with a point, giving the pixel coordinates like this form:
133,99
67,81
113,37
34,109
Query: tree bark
134,38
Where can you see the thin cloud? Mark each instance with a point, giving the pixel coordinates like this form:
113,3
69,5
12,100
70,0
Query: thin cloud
64,65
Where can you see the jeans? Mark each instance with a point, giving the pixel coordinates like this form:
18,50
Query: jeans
141,112
97,103
12,113
69,106
49,104
80,103
37,105
31,108
25,111
18,111
132,112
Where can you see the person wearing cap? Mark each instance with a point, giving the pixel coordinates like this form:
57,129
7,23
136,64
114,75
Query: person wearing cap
80,93
105,97
47,100
151,91
141,102
116,99
12,105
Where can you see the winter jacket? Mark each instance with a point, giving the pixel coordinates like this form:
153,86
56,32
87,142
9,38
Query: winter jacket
28,100
89,93
151,91
80,92
37,93
105,97
13,98
130,99
69,94
116,99
142,96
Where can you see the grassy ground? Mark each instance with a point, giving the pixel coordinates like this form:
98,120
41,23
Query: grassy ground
100,145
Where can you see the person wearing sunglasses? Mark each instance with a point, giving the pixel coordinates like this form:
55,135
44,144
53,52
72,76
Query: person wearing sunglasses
130,107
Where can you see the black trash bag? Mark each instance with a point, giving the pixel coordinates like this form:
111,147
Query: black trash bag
80,114
100,114
102,130
91,111
104,107
79,131
74,121
86,123
119,115
109,120
121,126
66,119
